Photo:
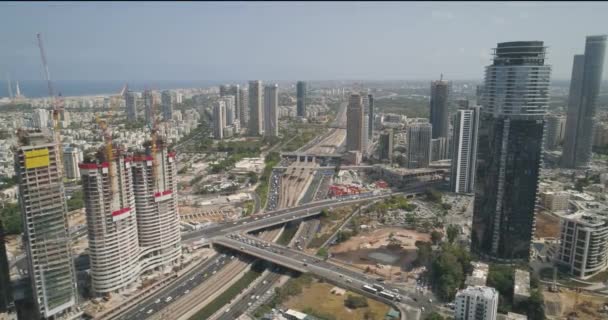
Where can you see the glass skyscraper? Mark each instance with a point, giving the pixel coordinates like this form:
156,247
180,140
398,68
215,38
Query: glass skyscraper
515,101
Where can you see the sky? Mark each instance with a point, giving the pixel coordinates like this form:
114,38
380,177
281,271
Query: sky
285,40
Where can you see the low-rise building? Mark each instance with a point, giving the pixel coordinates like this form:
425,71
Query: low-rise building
479,275
521,285
555,201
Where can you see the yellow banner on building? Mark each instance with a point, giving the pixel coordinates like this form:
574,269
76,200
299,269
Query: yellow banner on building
37,158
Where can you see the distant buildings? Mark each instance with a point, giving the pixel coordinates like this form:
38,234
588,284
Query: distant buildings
556,127
584,244
271,117
555,201
131,106
439,149
167,101
439,108
243,107
234,91
476,303
148,107
40,119
464,152
386,145
44,213
584,90
301,98
370,118
219,112
509,151
256,117
71,158
6,297
419,145
354,124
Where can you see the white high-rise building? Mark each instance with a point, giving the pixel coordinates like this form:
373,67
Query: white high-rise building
71,158
155,189
44,213
230,110
40,119
584,244
111,223
476,303
271,116
464,156
219,120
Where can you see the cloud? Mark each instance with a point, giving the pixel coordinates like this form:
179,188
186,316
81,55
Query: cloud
442,15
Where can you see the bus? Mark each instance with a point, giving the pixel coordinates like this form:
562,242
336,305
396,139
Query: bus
370,289
387,295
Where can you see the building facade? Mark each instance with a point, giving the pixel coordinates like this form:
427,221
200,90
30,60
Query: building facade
271,115
370,118
131,106
167,101
256,113
71,158
584,244
582,102
419,145
46,231
354,124
148,107
301,99
219,112
464,151
385,146
556,128
509,151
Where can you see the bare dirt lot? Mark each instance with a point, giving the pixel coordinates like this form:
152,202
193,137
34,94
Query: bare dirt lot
561,305
547,226
371,250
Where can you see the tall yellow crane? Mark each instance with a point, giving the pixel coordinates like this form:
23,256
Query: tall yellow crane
104,126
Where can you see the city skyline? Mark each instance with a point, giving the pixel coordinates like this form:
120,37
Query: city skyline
87,53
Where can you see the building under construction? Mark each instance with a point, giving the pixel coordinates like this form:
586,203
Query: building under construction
111,220
155,189
44,213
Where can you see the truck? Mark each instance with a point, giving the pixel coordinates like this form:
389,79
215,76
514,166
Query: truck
387,295
378,287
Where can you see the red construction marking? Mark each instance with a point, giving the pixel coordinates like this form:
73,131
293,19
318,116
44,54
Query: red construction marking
87,165
120,211
142,158
171,154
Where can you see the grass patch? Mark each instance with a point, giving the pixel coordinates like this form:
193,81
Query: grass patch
315,299
256,270
330,221
290,230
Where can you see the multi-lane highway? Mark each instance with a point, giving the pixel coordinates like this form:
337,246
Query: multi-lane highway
411,304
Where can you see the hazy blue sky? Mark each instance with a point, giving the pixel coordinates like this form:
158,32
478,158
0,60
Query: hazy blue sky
284,41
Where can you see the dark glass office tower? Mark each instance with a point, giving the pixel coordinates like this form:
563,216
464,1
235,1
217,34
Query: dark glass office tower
439,108
509,154
584,89
301,98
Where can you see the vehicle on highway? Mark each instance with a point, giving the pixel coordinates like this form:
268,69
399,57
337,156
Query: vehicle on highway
157,300
168,299
150,311
378,287
387,295
370,289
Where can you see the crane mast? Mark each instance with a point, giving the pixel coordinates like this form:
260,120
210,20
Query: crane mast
56,102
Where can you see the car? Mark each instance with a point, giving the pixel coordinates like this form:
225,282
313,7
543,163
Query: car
150,311
187,291
214,272
157,300
168,299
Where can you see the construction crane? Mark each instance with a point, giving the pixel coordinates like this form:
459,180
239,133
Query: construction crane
104,126
154,136
56,102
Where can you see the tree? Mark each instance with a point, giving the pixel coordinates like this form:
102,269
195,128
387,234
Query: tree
76,201
354,302
436,236
423,253
433,196
536,308
452,232
322,252
11,218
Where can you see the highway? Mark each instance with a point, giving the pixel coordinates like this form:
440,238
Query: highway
343,277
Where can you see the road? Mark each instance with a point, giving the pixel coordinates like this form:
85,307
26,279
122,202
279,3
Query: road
341,276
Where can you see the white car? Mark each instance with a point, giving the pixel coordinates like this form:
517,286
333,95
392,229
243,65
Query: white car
168,299
150,311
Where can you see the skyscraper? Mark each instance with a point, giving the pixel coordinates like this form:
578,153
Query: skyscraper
244,107
219,112
148,107
6,296
556,127
386,145
584,90
111,221
271,117
370,123
256,116
301,98
419,145
230,114
354,124
40,119
464,152
131,106
224,89
44,213
439,108
509,150
155,189
166,99
235,91
71,158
